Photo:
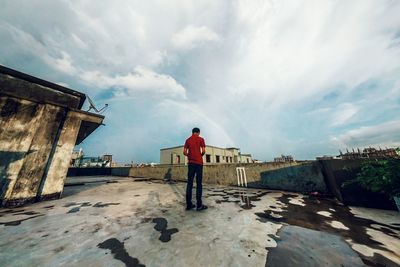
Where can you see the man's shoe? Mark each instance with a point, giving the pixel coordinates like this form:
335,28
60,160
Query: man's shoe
190,207
203,207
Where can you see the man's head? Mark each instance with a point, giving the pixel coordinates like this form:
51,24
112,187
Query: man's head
195,130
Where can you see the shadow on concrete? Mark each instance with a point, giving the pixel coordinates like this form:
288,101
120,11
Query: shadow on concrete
89,171
168,175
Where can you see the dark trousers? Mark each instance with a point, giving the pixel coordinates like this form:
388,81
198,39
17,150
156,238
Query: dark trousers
194,169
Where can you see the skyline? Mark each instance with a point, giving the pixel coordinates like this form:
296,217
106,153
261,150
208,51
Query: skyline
289,77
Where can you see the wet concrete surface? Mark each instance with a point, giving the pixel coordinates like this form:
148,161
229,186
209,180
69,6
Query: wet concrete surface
298,246
161,226
119,252
132,222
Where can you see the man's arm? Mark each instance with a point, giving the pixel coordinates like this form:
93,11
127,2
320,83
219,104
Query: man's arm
185,149
203,147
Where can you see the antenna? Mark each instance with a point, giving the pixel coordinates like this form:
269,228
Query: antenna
93,106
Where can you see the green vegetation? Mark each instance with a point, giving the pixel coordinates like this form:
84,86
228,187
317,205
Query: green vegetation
381,176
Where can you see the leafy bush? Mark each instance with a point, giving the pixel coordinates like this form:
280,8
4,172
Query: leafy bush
381,176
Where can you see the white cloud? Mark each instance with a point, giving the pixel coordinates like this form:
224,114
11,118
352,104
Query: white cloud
385,134
140,80
78,41
191,36
63,64
63,84
343,114
194,115
254,71
60,61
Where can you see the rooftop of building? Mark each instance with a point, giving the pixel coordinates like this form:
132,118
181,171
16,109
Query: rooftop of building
35,80
21,85
117,221
228,148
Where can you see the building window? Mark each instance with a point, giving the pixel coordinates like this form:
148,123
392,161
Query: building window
230,159
178,159
217,159
208,158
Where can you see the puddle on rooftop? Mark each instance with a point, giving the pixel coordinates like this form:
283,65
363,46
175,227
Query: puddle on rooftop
244,198
342,222
161,226
119,252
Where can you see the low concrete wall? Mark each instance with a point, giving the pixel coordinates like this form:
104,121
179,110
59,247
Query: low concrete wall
302,178
120,171
89,171
222,174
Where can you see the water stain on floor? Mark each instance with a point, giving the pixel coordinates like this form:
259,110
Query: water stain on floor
18,222
142,179
161,226
118,250
73,210
26,213
352,227
76,209
10,211
245,199
299,246
102,205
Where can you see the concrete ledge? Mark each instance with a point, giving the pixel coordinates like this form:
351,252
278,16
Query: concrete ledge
220,174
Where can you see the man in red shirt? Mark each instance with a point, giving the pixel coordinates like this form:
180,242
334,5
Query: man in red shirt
194,149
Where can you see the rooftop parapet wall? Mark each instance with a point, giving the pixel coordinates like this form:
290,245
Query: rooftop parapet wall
221,174
303,178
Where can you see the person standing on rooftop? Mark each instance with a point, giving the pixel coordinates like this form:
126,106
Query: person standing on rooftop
194,149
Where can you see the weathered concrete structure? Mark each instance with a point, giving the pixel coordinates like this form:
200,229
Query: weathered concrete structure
40,123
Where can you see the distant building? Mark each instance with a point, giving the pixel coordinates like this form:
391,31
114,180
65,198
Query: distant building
214,155
370,152
76,158
79,160
107,159
87,162
284,158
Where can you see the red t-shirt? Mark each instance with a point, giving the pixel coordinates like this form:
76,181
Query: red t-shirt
194,143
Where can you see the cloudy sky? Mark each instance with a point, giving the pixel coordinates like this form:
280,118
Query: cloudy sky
272,77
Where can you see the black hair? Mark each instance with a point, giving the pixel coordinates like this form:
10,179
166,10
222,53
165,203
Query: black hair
196,130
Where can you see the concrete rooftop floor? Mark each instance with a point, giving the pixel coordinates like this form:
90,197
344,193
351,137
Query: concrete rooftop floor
114,221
